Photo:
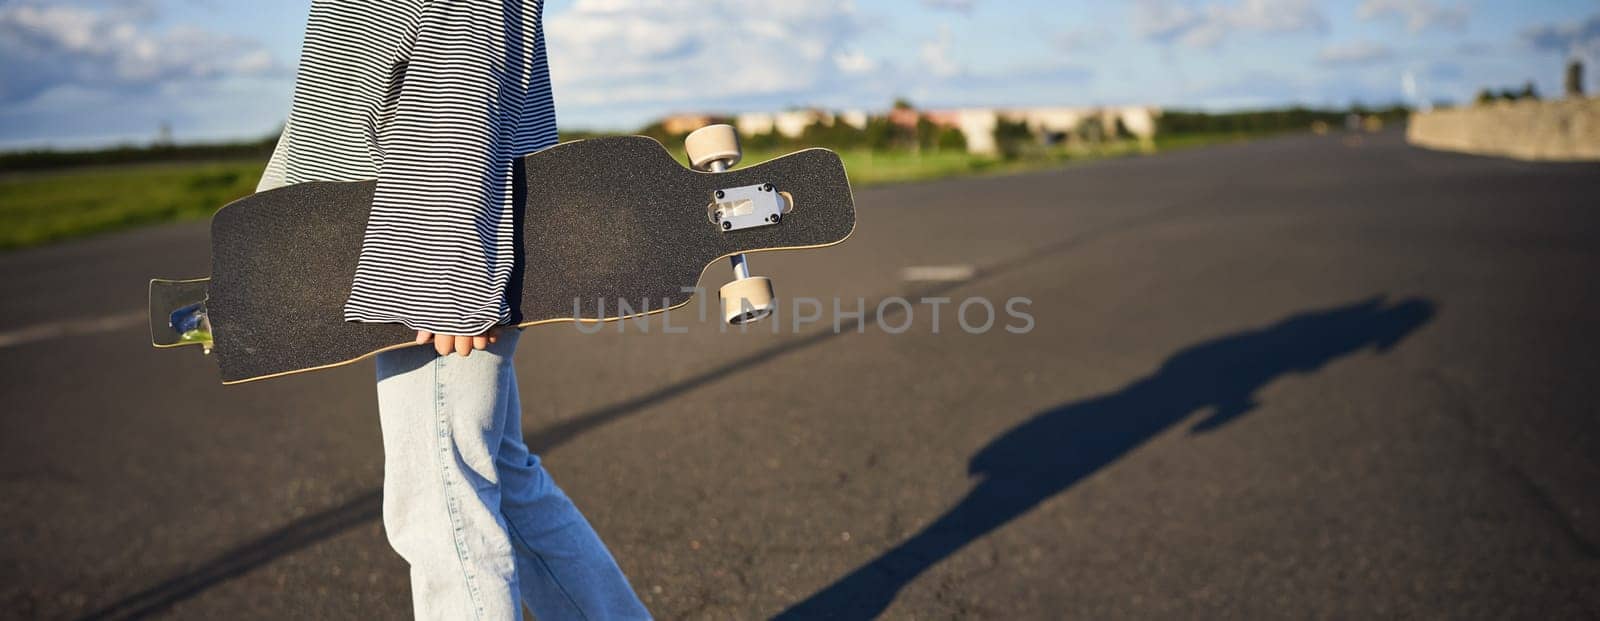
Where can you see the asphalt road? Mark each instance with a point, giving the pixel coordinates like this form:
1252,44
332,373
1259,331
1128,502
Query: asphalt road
1301,377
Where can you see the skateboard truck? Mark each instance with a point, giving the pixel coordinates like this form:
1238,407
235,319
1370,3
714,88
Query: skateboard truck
748,207
715,149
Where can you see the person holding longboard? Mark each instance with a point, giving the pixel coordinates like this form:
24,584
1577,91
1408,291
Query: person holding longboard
434,99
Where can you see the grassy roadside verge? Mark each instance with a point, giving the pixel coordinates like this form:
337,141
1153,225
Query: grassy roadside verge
46,206
39,207
868,167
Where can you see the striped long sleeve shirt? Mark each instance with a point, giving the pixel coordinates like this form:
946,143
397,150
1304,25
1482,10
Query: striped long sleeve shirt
433,99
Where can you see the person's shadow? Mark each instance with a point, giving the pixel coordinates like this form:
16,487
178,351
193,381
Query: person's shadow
1054,450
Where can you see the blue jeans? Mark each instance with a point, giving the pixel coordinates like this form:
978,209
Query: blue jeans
473,512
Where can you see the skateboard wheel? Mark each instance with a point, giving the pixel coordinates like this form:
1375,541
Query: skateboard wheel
712,143
746,300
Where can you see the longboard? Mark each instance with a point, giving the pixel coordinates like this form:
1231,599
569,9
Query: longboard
600,220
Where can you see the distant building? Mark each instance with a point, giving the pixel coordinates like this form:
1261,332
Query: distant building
790,123
1053,124
685,123
905,117
754,123
1140,120
793,123
976,125
854,118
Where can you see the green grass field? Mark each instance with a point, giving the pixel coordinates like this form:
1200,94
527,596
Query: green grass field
46,206
41,207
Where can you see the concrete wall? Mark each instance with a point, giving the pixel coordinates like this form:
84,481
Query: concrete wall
1567,129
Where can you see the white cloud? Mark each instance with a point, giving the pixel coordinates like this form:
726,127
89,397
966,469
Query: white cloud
941,77
1418,15
616,62
963,6
936,55
1356,53
1278,16
46,46
854,61
1165,21
1080,40
633,52
1207,25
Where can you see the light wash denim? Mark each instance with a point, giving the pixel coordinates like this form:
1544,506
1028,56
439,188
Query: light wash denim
474,512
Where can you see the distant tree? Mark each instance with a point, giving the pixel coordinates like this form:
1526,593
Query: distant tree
1394,112
879,134
1485,96
1575,78
927,134
762,141
951,139
658,130
1177,122
849,136
1528,91
1091,129
1120,130
817,133
901,103
164,135
47,159
836,135
1013,138
854,137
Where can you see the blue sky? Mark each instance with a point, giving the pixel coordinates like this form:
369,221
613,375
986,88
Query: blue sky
91,72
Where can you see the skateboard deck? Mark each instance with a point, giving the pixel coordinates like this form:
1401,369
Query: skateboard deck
598,220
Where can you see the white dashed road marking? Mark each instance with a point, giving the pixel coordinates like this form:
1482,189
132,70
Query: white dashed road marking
938,273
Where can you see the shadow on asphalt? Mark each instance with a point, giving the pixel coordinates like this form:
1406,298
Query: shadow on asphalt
368,506
1026,466
1055,449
